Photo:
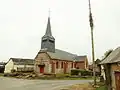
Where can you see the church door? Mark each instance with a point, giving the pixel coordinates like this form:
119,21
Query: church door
41,69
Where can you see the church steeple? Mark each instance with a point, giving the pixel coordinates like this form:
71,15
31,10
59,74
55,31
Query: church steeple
48,41
48,30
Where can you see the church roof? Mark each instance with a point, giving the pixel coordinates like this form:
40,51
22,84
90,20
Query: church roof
63,55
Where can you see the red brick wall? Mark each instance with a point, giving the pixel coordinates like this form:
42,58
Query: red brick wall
80,65
67,65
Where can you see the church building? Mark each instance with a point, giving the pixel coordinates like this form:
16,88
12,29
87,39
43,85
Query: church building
52,60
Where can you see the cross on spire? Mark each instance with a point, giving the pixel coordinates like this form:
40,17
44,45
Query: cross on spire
49,12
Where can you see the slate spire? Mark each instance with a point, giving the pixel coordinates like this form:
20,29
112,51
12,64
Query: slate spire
48,29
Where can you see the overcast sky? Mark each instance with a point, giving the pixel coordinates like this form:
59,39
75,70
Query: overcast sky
23,23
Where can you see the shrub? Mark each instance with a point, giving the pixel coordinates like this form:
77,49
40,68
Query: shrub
81,72
13,70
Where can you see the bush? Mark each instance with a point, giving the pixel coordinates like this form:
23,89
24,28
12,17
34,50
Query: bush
13,70
81,72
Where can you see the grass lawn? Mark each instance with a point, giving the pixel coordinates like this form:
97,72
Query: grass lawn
102,88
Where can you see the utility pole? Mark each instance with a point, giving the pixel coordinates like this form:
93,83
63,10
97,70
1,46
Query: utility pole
92,41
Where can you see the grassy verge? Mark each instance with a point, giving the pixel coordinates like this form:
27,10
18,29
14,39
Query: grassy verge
99,86
69,77
46,77
62,78
102,88
85,86
1,74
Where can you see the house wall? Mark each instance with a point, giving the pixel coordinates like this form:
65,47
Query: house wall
42,58
9,66
82,64
24,67
114,67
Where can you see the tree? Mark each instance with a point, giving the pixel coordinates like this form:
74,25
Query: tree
107,53
107,70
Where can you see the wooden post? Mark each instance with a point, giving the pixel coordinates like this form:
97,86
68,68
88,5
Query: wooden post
92,41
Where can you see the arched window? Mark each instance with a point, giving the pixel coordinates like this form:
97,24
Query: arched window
56,64
72,65
61,64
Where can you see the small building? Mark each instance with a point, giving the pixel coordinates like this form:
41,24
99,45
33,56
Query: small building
81,62
52,60
2,67
112,69
19,64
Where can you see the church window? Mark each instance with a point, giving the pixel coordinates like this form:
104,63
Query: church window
57,65
61,64
72,65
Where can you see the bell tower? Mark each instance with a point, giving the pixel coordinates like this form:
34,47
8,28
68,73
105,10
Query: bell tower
48,41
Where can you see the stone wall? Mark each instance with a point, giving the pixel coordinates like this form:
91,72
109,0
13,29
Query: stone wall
42,58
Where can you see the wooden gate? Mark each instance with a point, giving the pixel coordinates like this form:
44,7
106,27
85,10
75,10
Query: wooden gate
117,80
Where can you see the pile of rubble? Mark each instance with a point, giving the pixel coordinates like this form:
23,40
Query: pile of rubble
21,75
31,75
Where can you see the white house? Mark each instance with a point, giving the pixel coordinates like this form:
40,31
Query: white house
19,64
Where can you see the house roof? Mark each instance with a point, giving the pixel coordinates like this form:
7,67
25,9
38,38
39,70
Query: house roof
2,63
63,55
114,57
81,58
20,61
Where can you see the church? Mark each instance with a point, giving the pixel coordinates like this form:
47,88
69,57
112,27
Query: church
50,60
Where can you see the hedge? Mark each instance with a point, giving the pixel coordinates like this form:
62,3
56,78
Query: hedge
81,72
